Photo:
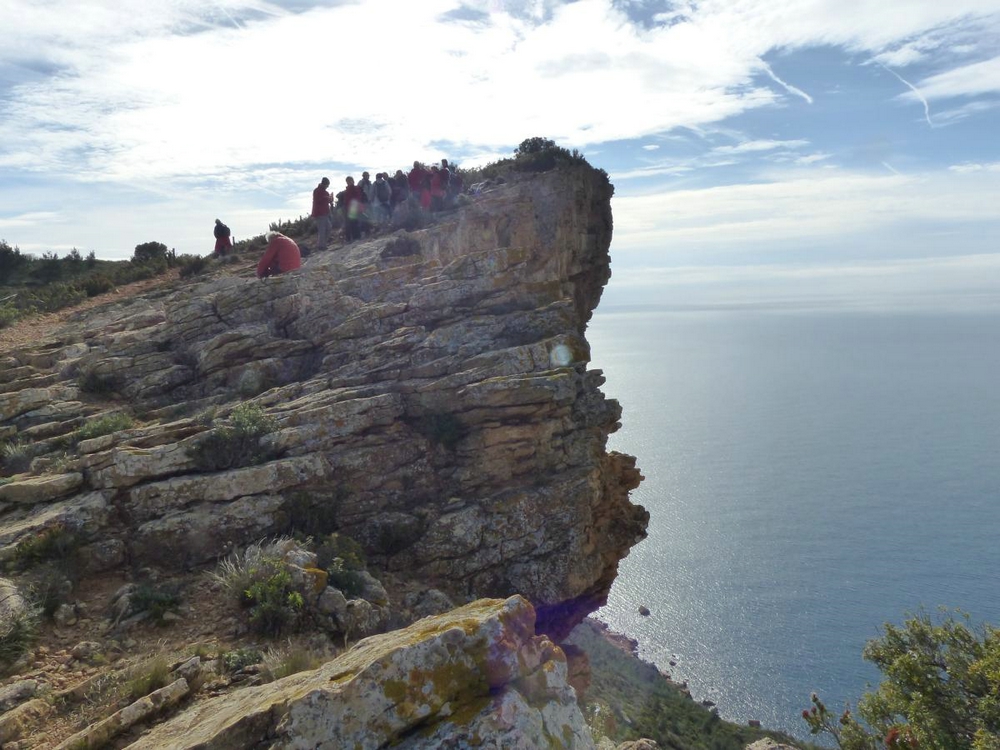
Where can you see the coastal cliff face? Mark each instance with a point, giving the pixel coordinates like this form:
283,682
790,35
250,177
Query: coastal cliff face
429,397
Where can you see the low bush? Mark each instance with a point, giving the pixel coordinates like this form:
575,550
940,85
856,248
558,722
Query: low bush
343,559
97,284
235,444
49,587
334,546
274,605
104,425
259,580
8,314
18,631
157,601
279,663
234,661
191,265
147,676
15,456
56,543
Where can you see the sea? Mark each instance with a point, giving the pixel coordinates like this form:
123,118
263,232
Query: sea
810,475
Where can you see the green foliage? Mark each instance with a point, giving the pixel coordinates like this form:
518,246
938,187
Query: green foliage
192,265
150,252
235,444
346,579
147,676
18,631
15,456
941,690
279,663
8,314
104,425
532,155
234,661
155,600
342,547
55,543
11,260
49,587
97,284
259,579
274,605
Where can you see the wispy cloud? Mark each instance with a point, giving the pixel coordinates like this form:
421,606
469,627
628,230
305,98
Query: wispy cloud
915,91
787,86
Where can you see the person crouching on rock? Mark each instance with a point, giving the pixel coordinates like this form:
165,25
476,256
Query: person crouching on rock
282,255
223,239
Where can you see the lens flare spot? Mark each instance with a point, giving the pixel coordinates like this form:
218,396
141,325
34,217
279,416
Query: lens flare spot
560,356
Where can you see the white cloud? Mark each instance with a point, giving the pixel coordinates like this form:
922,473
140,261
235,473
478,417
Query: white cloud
802,209
759,145
968,80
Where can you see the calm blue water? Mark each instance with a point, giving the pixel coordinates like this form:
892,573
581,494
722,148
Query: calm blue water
809,476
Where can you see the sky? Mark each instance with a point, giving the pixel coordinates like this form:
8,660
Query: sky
780,153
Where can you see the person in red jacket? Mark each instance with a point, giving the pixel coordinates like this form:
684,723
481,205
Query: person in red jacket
354,207
282,255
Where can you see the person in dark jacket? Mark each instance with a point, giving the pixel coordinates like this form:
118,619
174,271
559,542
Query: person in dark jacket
282,255
223,238
321,212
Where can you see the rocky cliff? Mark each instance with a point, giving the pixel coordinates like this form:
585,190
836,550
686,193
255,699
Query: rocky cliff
424,393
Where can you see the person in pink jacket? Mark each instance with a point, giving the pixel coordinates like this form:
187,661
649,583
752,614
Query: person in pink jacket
281,255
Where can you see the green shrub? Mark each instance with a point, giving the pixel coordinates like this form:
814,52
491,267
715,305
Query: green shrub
49,587
234,661
150,252
339,546
147,676
15,456
259,580
97,284
347,580
104,425
192,265
273,604
55,543
279,663
941,690
8,314
155,600
18,631
236,444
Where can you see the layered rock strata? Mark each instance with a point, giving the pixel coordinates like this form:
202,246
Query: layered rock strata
475,675
429,393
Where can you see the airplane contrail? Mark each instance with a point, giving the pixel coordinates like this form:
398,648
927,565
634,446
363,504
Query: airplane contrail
914,89
787,86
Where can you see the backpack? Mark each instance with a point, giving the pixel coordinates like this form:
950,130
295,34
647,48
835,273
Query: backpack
382,191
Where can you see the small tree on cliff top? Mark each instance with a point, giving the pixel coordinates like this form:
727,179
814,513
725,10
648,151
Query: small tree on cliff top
941,691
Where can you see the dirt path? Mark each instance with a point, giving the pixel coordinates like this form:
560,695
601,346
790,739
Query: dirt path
34,328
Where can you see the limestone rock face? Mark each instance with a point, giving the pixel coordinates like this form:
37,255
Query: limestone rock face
434,405
475,676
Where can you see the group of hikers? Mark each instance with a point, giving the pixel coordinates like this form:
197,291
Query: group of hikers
367,204
362,206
